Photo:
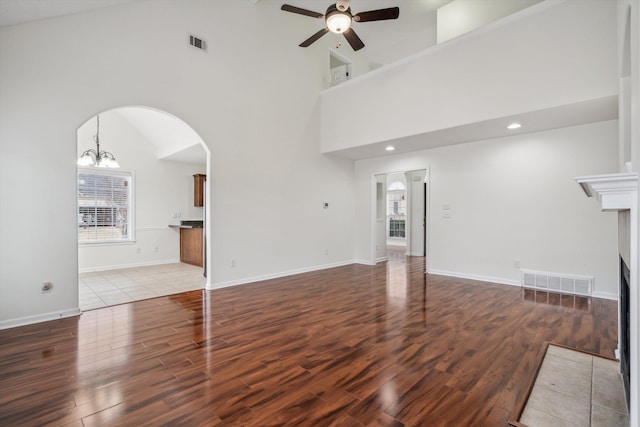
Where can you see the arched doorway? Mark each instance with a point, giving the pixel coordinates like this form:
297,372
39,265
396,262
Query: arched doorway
127,250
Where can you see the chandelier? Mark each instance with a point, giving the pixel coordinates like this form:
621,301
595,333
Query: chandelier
102,159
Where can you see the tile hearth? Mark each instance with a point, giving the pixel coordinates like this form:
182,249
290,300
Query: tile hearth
575,389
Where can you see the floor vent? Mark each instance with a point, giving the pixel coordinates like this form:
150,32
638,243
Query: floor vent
557,282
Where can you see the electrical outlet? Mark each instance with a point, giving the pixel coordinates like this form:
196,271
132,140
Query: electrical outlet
326,251
516,263
46,287
446,214
139,251
156,249
233,262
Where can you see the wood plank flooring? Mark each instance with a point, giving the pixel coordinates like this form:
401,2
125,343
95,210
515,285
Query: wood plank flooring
350,346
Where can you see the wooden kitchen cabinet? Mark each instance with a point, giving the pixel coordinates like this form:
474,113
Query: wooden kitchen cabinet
198,189
191,246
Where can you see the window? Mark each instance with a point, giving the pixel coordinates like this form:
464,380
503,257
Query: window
396,228
396,203
105,206
396,209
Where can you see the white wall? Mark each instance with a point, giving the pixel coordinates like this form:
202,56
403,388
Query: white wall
462,16
511,68
511,198
253,98
161,188
630,134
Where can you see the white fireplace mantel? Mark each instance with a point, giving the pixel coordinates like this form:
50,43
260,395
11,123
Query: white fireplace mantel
615,192
618,192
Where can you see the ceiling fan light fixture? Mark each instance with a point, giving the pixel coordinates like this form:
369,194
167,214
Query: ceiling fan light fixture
338,22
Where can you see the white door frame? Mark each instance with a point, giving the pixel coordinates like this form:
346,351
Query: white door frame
373,217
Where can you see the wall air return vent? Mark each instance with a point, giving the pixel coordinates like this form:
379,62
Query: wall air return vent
557,282
197,42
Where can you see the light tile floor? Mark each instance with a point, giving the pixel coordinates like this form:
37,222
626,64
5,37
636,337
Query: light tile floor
575,389
112,287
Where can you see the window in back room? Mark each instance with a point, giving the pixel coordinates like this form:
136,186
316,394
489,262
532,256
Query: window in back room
105,206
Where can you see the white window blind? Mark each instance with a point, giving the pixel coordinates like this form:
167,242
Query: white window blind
105,206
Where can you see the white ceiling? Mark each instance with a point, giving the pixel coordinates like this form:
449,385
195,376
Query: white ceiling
591,111
173,138
386,41
20,11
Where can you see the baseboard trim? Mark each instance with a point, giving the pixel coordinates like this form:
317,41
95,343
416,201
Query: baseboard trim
28,320
363,262
382,259
132,265
229,283
490,279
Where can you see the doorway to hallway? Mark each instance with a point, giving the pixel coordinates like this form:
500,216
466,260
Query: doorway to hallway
400,213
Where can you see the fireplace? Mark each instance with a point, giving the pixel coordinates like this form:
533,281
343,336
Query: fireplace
625,332
619,193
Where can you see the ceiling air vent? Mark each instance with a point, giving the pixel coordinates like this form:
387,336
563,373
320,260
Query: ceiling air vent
198,42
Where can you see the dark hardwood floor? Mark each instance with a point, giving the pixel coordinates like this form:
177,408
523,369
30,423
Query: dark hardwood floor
350,346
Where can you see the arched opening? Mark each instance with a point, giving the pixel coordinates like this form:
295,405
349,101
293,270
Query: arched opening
131,218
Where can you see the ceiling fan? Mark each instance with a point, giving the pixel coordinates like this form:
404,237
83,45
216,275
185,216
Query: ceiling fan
338,19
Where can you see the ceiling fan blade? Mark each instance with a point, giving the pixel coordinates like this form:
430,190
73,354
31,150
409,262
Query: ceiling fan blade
301,11
353,39
314,37
377,15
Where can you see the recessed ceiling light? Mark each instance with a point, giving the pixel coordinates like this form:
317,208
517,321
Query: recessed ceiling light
390,148
513,126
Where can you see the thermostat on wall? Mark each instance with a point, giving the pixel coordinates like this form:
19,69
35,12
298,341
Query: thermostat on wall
325,205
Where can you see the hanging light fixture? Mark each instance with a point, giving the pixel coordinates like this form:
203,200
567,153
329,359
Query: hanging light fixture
101,159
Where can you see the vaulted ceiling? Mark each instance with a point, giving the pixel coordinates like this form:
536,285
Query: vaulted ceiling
386,42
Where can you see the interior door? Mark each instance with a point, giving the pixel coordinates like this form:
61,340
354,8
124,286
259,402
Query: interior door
424,220
339,74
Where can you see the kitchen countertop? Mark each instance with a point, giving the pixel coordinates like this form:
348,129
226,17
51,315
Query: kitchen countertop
188,224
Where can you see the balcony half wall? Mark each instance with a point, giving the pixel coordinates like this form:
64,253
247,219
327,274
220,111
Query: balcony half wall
548,66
